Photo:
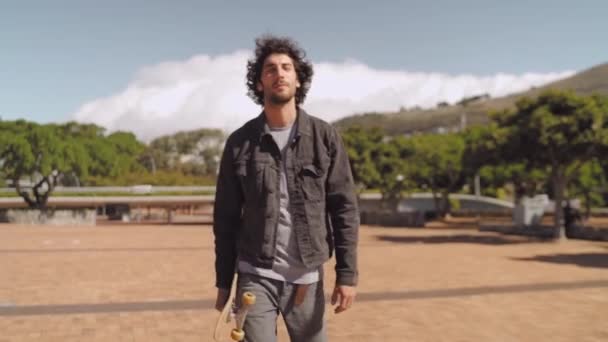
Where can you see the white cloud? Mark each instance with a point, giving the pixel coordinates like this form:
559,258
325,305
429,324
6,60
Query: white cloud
210,92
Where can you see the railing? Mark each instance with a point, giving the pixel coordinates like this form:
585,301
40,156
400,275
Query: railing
136,189
483,199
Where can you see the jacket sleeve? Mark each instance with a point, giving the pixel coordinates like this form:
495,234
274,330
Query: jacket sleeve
343,212
226,219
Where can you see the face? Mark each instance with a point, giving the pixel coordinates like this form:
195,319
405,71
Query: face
279,80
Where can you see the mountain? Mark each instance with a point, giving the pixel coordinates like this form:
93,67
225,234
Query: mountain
473,110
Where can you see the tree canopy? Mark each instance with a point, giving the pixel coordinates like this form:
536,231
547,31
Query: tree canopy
553,143
558,131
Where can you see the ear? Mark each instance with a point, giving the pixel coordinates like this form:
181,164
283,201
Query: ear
297,84
259,87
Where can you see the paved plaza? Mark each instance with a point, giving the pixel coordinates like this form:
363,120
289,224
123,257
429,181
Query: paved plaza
131,282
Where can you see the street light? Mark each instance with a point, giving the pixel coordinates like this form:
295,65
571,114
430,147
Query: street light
399,178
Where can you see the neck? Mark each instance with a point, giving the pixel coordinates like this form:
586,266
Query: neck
280,115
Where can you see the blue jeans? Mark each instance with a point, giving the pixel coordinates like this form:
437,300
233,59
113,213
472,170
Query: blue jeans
305,322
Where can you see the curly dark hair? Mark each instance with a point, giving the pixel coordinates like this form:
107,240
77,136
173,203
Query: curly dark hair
267,45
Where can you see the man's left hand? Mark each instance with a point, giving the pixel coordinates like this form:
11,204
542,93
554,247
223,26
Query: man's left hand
343,295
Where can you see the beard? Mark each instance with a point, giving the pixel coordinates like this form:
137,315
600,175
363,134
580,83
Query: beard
279,99
282,97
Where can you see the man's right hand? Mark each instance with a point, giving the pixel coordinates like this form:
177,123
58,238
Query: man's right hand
221,299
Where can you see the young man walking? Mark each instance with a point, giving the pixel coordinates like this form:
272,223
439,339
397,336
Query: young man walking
285,203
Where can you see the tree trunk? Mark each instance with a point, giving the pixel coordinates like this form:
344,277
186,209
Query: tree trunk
587,205
24,194
40,199
447,206
559,185
519,191
437,203
153,164
76,178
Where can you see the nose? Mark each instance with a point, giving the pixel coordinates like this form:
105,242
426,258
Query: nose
281,73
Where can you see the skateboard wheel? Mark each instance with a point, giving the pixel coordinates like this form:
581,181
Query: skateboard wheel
248,298
237,334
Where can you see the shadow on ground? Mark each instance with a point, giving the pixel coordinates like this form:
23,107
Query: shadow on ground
461,238
464,225
10,309
189,223
595,260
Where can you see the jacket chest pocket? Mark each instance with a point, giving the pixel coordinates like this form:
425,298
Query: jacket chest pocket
255,181
312,179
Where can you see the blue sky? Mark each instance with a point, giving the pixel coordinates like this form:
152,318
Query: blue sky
57,56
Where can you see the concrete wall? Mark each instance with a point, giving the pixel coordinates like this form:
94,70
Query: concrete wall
393,219
466,204
58,217
587,233
385,213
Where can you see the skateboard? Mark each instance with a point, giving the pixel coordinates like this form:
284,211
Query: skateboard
233,312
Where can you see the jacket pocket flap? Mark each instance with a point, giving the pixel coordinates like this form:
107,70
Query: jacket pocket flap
311,170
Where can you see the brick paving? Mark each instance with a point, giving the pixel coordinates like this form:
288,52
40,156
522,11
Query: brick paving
155,283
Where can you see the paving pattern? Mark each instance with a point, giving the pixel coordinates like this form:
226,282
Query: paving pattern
155,283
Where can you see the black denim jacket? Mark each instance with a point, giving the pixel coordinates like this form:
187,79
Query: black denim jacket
322,199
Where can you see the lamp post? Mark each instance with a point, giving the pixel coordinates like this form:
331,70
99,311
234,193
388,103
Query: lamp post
399,178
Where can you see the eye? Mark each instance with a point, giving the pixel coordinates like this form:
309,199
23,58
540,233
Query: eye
270,70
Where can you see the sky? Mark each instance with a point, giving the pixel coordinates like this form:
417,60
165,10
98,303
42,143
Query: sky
156,67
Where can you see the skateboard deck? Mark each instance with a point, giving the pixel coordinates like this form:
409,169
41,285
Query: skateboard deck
232,312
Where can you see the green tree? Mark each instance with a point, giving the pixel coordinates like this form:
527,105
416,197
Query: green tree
46,155
392,161
363,146
437,164
559,131
589,182
484,156
194,152
42,153
525,181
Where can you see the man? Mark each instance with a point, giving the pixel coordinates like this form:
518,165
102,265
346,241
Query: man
285,201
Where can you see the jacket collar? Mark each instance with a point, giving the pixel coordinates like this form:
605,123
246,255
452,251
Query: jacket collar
303,124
